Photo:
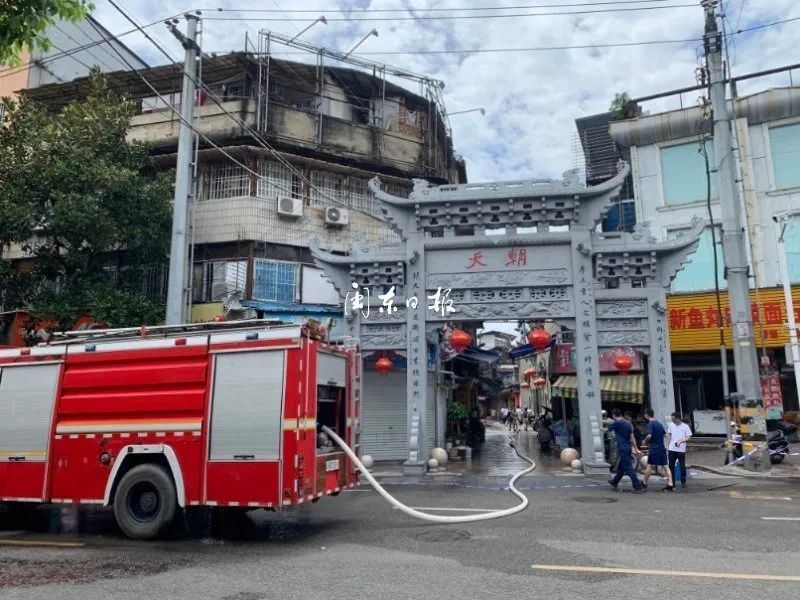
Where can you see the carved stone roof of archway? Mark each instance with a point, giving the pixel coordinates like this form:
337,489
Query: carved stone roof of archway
473,208
569,186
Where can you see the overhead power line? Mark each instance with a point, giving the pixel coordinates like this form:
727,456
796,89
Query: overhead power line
429,10
588,46
530,49
456,17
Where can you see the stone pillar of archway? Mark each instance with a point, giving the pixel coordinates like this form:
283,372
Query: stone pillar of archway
662,394
417,347
587,365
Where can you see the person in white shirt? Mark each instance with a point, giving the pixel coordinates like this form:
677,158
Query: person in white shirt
678,434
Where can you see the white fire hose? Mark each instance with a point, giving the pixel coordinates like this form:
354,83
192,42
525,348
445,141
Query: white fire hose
438,518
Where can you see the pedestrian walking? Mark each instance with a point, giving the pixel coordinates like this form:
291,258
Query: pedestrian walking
657,451
517,418
679,433
504,415
528,417
626,444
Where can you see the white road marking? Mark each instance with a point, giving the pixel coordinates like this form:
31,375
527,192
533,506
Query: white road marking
780,518
701,574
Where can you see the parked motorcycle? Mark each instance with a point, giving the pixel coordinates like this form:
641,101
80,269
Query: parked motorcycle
778,448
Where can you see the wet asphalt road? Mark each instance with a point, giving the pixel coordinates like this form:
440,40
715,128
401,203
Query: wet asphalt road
357,546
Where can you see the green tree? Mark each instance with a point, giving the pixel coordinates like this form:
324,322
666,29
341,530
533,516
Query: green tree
89,208
623,107
620,102
22,23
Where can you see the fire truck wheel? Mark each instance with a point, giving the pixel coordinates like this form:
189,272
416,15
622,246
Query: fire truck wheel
144,503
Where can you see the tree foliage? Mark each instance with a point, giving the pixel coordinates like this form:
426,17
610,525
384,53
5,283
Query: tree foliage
623,107
22,23
620,102
87,205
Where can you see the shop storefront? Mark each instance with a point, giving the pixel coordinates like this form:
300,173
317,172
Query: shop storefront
694,342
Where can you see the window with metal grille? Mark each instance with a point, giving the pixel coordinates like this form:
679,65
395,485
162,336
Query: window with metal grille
275,281
305,103
228,181
221,278
277,180
359,196
327,189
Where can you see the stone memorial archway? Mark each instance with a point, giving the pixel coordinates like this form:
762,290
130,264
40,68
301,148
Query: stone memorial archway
514,250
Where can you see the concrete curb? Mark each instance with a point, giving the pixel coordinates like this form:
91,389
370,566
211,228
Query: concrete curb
743,474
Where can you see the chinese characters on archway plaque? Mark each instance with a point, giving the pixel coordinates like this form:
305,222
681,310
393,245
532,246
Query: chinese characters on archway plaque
440,301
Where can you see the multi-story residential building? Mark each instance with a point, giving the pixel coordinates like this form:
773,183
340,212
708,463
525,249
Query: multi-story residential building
671,187
73,46
305,154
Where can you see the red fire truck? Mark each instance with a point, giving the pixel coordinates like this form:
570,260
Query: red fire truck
157,420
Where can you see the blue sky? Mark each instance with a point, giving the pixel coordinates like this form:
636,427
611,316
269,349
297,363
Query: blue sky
531,98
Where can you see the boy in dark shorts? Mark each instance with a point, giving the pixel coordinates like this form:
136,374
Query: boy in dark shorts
657,454
623,433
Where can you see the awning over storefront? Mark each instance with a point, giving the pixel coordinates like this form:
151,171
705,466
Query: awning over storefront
614,388
477,355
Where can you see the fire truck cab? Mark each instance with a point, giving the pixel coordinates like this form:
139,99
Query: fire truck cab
158,420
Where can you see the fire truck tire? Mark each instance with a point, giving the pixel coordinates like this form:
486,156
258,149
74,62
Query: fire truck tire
145,502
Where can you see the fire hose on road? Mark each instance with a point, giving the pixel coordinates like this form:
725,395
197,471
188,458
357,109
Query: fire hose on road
438,518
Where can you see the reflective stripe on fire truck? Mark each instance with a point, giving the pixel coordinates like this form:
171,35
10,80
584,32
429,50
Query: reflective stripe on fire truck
154,425
292,424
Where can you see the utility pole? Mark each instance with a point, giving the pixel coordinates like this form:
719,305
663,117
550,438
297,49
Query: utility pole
737,269
176,287
781,221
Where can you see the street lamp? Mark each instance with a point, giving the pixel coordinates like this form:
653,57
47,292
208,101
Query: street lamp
320,19
361,41
461,112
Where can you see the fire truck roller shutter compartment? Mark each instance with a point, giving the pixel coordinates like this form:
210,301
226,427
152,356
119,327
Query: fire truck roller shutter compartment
27,394
246,411
331,370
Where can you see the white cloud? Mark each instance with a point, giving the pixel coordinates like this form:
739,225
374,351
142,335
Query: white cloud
531,98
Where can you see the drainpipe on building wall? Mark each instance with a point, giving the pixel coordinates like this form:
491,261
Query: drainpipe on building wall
781,222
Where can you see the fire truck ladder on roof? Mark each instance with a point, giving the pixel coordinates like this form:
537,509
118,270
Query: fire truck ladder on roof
166,331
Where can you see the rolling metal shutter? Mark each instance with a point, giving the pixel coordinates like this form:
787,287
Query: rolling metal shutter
27,395
331,370
384,419
246,414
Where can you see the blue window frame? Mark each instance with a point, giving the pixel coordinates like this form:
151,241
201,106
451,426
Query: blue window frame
698,274
683,173
784,144
275,281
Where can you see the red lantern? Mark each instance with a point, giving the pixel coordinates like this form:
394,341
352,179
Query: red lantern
623,363
528,373
460,340
524,385
383,365
538,338
539,382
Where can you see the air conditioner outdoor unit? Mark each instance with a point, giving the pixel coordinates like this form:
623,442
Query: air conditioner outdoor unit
337,217
290,207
